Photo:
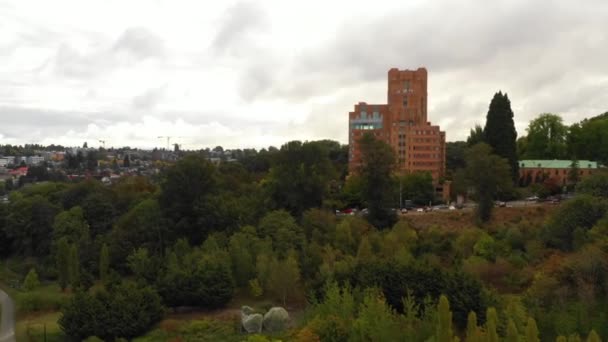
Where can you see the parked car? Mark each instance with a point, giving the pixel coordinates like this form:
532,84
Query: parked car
532,198
403,211
420,210
452,207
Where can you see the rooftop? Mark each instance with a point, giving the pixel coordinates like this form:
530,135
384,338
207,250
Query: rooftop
556,164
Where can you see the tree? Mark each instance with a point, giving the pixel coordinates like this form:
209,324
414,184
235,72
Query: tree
476,136
594,185
593,337
491,325
62,259
141,265
472,328
512,334
499,132
418,187
285,276
444,324
377,166
31,281
299,176
104,263
376,321
125,311
573,174
454,155
546,138
283,230
186,189
488,175
126,161
587,139
72,225
531,331
74,267
29,224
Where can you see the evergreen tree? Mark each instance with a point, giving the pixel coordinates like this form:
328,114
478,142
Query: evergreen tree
31,280
512,334
62,259
491,325
472,327
74,267
104,263
531,331
574,338
126,161
444,326
593,337
500,132
561,339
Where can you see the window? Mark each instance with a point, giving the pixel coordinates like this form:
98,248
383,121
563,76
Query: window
406,84
404,101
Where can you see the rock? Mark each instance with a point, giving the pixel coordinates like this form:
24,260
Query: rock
251,322
276,319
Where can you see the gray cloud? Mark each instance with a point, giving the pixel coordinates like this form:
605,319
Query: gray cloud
239,20
140,42
149,98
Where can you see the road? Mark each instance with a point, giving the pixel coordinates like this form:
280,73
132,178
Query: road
7,325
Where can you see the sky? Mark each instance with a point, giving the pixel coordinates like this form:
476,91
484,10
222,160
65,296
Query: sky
245,74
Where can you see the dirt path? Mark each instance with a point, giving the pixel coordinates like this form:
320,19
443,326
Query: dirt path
7,325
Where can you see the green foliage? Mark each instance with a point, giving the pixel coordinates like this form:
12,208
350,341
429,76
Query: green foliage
418,187
491,325
546,138
29,224
444,324
74,267
104,263
283,230
488,175
587,139
62,262
499,132
512,334
299,177
581,212
284,278
186,189
472,332
126,311
141,265
594,185
531,331
255,288
376,321
196,279
476,136
377,164
31,280
141,227
593,337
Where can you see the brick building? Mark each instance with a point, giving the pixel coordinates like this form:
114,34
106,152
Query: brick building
539,171
403,124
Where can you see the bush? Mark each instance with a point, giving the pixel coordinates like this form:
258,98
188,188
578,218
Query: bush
127,311
580,213
39,301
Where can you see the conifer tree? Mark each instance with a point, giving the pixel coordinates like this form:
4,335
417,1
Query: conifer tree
63,262
472,329
444,326
500,132
574,338
491,325
31,280
104,263
512,334
74,267
593,337
561,339
531,331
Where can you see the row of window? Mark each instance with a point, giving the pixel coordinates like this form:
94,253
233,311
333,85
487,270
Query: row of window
425,140
426,155
426,148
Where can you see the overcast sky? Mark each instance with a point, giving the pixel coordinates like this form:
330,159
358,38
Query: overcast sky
260,73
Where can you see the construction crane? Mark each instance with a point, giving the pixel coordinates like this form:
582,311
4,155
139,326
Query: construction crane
168,140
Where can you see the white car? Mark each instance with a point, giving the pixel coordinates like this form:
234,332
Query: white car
452,207
419,210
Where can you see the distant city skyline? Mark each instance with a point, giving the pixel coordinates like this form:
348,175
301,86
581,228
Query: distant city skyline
245,74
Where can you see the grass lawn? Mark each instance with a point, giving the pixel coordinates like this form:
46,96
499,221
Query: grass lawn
32,327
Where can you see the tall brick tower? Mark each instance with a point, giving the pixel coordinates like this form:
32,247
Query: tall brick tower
402,123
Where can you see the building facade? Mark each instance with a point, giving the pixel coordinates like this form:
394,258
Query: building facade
403,124
557,171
